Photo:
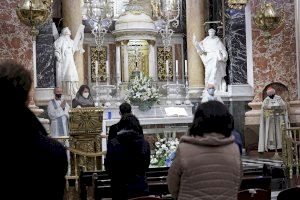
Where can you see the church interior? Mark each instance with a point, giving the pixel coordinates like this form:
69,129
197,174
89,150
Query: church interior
165,58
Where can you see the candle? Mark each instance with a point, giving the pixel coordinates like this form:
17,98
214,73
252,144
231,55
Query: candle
96,68
107,69
167,67
185,67
176,67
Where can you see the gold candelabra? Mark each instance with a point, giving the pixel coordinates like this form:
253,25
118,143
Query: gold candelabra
267,19
237,4
34,13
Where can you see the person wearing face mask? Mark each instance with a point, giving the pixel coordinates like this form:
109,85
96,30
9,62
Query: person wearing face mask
209,94
58,111
83,98
269,125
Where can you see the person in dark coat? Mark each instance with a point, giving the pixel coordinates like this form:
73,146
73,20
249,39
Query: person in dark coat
33,165
124,108
127,160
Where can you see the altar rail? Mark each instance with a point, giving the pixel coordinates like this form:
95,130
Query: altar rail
291,149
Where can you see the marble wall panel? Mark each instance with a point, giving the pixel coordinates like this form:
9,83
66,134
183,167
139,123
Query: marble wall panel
275,61
15,41
45,58
236,46
112,62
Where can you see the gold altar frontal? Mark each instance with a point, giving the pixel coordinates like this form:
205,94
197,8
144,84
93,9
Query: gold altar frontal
85,127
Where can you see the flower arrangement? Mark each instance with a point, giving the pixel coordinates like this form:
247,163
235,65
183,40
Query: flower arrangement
165,149
142,93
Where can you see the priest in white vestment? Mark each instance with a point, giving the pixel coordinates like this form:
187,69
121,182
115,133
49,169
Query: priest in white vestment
270,126
210,94
58,111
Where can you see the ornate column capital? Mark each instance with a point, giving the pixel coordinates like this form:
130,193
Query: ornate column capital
124,42
151,42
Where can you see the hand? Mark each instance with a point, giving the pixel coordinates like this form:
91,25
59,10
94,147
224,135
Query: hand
63,104
194,40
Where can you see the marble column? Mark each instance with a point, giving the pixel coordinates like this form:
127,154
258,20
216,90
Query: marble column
118,62
195,18
236,46
125,61
152,60
72,14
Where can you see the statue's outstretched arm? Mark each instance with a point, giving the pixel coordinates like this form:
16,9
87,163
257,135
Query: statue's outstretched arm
55,31
78,40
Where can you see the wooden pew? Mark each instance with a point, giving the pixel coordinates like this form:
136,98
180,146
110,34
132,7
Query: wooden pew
157,181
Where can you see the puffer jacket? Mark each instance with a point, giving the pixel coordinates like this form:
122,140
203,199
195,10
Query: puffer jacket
205,168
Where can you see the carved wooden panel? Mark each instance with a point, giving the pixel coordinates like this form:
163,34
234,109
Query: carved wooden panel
101,57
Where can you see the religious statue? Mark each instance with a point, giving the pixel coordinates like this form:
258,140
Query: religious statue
214,56
273,114
65,47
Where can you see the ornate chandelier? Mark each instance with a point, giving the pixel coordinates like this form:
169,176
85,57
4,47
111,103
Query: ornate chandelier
34,13
267,19
237,4
167,13
100,14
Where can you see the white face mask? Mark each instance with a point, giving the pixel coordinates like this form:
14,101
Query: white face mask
85,94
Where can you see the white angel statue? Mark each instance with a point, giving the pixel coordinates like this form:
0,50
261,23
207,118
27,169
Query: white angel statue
65,47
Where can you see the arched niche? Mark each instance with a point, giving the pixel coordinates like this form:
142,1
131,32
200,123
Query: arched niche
280,89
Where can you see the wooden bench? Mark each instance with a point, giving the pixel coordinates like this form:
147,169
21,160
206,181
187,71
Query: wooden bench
157,181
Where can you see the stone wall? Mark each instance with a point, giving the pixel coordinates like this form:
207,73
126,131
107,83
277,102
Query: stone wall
15,42
275,61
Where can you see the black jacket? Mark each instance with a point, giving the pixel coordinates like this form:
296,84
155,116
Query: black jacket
127,160
33,165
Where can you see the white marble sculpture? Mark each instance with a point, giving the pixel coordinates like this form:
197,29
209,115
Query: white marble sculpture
214,56
65,47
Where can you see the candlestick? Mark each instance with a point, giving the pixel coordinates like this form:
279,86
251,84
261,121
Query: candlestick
167,68
96,68
176,67
107,69
185,67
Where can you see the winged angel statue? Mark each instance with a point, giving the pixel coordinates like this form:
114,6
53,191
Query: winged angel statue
65,47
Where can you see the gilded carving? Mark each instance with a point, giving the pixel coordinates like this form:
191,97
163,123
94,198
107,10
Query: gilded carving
85,120
162,56
101,57
138,56
85,126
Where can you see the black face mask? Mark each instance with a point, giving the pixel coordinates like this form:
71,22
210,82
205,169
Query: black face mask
58,96
272,96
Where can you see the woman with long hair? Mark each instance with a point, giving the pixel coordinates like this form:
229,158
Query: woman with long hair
207,164
83,98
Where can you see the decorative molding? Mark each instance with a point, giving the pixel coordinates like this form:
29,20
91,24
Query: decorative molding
248,18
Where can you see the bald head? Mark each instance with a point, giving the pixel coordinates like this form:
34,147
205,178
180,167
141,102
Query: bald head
57,93
210,85
270,91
